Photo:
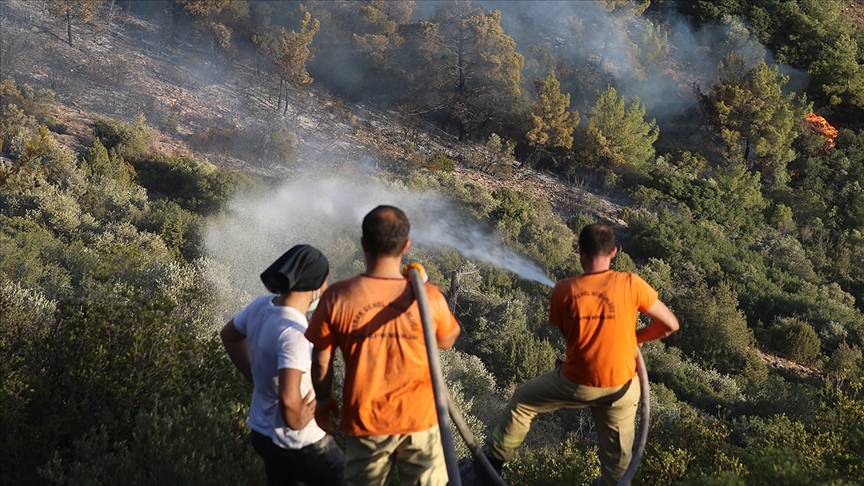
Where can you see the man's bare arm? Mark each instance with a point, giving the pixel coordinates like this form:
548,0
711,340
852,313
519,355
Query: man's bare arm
297,410
664,323
237,348
322,373
449,340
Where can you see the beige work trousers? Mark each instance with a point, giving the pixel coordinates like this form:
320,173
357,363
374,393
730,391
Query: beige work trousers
419,455
613,410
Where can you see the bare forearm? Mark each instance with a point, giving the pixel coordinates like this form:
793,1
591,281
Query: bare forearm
322,373
664,324
239,354
653,331
237,348
297,410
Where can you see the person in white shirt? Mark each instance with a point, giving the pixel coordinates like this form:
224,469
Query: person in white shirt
265,342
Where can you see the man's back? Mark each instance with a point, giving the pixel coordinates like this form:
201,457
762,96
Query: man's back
597,314
376,324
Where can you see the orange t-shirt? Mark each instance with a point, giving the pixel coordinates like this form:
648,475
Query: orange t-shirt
376,324
597,313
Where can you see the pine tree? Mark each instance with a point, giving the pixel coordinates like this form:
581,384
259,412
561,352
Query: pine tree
757,123
648,50
294,54
552,125
617,138
382,19
477,71
73,10
839,72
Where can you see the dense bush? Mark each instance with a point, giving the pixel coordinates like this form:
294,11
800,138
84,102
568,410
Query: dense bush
439,162
194,185
108,335
795,339
21,108
125,140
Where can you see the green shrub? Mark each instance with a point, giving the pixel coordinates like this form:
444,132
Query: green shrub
279,146
22,106
795,339
475,197
510,351
715,330
572,463
439,162
197,440
690,382
181,230
527,222
127,141
195,185
96,161
844,362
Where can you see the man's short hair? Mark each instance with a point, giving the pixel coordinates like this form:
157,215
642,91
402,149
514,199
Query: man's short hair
385,231
597,239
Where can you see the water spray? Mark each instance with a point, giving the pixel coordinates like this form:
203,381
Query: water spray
257,228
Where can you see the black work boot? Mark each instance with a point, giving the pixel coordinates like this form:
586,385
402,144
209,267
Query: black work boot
497,464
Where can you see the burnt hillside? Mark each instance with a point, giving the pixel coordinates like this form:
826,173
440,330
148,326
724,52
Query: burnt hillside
201,105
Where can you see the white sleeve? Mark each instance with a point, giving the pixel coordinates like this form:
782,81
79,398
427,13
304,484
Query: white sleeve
242,319
294,351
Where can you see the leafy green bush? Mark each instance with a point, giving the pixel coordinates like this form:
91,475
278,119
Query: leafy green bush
439,162
195,185
97,161
180,229
510,351
694,384
279,145
715,330
22,107
844,362
795,339
473,390
474,197
127,141
192,440
571,463
528,223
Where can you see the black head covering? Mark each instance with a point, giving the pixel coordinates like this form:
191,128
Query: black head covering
301,269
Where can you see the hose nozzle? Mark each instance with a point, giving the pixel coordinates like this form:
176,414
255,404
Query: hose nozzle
418,267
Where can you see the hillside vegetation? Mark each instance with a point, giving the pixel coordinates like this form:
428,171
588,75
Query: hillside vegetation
140,139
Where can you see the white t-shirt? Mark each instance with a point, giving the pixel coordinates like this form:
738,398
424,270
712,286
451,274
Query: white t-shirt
275,338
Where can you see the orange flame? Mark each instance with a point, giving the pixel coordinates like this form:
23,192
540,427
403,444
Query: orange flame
819,126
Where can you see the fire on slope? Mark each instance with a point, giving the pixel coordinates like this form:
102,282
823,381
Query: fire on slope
821,127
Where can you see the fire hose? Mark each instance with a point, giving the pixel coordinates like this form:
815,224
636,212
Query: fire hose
444,401
644,421
439,388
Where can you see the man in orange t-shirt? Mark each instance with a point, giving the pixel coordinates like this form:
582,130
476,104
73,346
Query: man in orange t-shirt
388,409
597,313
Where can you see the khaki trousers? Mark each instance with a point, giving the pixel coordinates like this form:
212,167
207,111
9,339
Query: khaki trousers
613,410
419,455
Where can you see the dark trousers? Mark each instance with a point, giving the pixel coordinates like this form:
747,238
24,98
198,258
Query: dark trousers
318,464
